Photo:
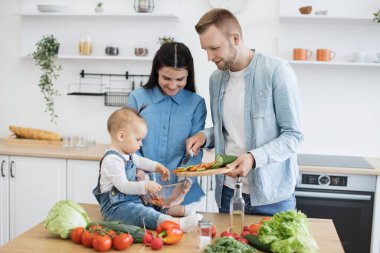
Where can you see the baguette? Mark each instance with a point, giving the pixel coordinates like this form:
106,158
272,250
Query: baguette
35,134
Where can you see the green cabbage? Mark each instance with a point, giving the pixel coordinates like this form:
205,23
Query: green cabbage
288,232
64,216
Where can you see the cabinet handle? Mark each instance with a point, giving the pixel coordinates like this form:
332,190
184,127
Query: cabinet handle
2,168
11,169
211,188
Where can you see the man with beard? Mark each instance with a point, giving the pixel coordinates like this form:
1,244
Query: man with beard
255,108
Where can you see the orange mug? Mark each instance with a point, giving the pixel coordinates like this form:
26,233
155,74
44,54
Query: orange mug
325,55
301,54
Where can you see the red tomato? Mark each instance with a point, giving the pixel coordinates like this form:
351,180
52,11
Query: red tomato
226,233
213,231
87,238
236,236
245,228
254,228
95,227
76,234
122,241
264,219
244,233
243,240
111,233
101,243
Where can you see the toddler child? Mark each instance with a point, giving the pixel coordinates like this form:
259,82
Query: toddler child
117,191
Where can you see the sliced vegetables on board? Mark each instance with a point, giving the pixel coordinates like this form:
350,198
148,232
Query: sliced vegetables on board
220,162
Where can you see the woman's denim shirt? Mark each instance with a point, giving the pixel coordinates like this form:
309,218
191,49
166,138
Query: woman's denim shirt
171,120
272,127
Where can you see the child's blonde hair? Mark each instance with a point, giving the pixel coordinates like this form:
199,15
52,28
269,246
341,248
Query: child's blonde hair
121,118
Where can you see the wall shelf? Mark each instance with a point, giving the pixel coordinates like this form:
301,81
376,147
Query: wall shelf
101,57
326,18
92,14
336,63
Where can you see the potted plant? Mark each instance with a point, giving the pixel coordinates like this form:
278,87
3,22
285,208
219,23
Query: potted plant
377,16
165,39
45,55
99,7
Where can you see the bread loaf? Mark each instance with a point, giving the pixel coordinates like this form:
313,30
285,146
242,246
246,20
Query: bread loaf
35,134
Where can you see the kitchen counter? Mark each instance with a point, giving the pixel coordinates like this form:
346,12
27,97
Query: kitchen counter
38,239
96,152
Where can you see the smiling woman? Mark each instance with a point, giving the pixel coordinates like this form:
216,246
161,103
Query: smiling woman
173,113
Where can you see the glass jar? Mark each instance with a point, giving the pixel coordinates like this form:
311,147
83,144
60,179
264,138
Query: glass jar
85,44
144,5
204,233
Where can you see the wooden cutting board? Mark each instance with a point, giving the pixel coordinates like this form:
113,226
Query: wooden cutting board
13,140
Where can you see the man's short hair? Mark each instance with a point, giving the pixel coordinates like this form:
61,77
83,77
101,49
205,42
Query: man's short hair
223,19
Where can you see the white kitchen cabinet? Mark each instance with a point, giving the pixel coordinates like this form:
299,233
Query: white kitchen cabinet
208,203
82,177
29,188
4,197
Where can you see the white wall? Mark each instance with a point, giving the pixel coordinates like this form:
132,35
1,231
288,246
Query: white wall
340,104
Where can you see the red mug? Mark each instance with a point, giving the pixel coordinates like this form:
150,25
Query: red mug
325,55
301,54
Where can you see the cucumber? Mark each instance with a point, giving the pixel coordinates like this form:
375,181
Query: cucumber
136,232
254,241
223,160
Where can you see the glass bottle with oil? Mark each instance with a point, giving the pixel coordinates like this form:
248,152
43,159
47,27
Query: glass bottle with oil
237,206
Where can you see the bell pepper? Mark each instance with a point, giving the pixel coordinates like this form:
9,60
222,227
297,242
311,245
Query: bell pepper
166,225
172,235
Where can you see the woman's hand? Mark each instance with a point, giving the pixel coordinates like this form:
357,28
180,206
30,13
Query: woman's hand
165,173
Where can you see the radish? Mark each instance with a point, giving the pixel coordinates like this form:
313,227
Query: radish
148,237
156,243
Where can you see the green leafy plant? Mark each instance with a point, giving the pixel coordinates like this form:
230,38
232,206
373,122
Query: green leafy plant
45,55
165,39
377,16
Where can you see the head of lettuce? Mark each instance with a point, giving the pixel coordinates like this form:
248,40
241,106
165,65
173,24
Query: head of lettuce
64,216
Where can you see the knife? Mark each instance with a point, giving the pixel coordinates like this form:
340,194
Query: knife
187,157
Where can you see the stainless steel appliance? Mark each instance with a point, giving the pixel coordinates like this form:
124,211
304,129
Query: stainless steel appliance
347,199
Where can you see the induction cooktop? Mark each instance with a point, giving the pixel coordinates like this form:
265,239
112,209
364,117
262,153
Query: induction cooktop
333,161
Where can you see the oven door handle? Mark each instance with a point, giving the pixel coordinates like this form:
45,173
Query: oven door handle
328,195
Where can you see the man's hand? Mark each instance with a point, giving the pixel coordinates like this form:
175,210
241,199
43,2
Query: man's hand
152,187
165,173
241,166
195,142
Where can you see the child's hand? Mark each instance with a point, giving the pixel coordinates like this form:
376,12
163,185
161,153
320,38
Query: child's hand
165,173
152,187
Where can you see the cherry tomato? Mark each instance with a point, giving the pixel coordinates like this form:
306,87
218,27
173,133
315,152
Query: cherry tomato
213,231
95,227
226,234
86,238
243,240
254,228
246,228
122,241
264,219
111,233
101,243
76,234
244,233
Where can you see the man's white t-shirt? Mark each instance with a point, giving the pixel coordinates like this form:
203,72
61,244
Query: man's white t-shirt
113,174
233,122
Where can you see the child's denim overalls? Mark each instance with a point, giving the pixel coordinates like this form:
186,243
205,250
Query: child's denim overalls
124,207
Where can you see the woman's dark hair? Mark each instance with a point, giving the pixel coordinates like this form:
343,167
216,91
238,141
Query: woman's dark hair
175,55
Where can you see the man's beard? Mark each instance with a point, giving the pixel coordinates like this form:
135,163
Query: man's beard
230,59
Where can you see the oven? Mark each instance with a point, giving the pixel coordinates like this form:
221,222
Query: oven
347,199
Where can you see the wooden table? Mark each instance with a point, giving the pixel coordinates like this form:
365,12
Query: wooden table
38,239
